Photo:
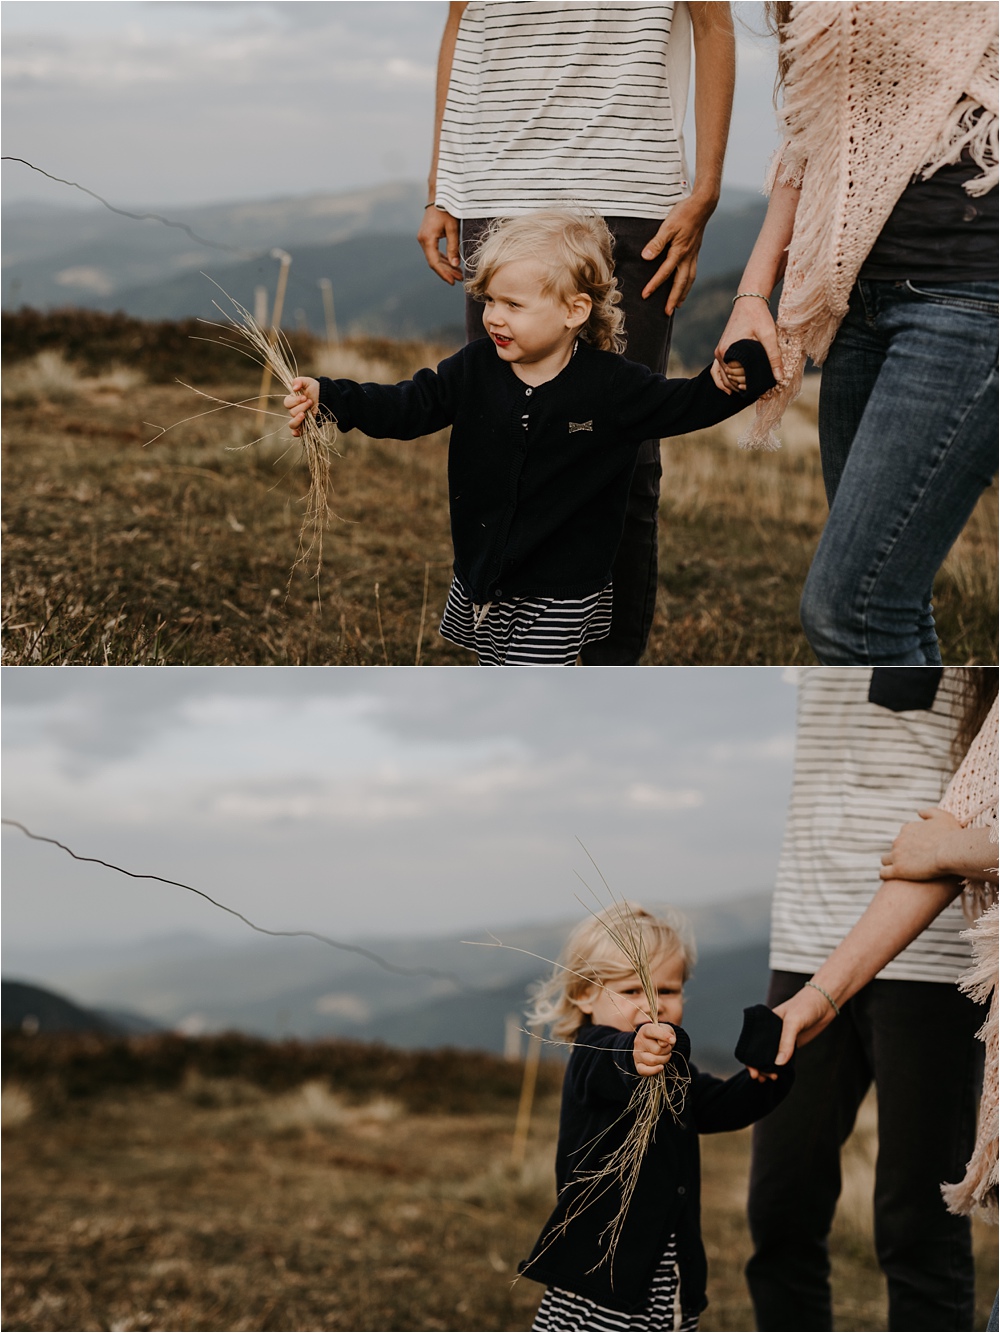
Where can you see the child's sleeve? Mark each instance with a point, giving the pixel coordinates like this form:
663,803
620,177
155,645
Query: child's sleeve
724,1104
653,407
403,411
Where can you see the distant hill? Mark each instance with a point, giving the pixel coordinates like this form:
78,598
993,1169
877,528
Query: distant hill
27,1008
381,284
297,988
73,256
363,241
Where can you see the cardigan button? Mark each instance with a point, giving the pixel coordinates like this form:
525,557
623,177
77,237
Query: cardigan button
528,393
681,1189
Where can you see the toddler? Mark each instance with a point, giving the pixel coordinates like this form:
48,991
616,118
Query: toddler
547,418
655,1278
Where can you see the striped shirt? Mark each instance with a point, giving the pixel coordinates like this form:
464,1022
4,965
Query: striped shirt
526,631
861,771
555,105
662,1309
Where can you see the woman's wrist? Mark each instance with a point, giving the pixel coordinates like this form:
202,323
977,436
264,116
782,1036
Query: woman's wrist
814,985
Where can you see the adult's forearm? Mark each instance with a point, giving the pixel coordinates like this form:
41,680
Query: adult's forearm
769,255
968,852
900,910
446,56
714,81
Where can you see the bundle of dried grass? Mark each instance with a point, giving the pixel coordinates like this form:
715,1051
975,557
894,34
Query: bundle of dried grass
271,350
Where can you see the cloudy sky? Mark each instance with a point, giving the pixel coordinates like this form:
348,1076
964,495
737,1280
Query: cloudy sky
183,103
378,802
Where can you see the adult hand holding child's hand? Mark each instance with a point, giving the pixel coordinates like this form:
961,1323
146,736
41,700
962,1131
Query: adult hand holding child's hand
653,1047
304,398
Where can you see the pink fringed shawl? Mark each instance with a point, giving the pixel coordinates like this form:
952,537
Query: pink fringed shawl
972,798
875,94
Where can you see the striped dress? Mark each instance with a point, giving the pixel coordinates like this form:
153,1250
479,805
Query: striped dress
566,105
566,1310
526,631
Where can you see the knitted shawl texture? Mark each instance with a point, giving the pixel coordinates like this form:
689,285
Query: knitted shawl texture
875,94
972,798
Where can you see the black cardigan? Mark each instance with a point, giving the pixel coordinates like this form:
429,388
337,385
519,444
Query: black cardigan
539,477
593,1123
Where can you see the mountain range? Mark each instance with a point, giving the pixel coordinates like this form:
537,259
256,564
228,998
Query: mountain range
362,241
447,993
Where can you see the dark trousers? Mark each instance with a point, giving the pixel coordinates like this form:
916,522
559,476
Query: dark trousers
648,329
916,1041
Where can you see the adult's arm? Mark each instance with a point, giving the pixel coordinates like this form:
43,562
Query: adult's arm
751,318
936,845
438,225
900,910
714,79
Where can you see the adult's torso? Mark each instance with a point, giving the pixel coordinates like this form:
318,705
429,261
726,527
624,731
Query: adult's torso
861,771
566,105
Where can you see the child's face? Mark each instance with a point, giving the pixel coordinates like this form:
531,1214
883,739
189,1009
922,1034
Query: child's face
526,325
622,1004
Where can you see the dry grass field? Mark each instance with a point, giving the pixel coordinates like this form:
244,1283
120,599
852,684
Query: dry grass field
192,1200
123,548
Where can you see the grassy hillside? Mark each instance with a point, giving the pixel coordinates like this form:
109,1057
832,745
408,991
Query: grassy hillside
124,546
226,1185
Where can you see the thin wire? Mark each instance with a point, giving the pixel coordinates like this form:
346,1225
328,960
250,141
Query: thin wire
263,930
136,217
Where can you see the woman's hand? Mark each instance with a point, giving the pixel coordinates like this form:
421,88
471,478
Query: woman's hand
680,236
938,847
303,399
804,1017
751,318
920,849
653,1047
438,226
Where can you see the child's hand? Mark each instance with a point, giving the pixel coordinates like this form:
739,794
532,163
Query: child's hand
653,1047
303,398
729,376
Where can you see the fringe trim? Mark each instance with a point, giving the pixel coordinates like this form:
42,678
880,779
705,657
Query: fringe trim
977,1192
974,128
760,434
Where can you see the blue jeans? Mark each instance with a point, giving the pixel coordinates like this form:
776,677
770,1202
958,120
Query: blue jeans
907,428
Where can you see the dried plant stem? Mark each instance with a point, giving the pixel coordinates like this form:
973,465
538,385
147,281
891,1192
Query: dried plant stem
423,612
279,301
523,1122
381,635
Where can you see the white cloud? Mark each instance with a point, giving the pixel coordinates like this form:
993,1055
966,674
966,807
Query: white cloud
646,797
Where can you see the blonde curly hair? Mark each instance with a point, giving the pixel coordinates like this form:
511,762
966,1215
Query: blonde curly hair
590,957
575,249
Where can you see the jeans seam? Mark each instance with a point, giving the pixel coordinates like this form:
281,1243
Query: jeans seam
973,304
